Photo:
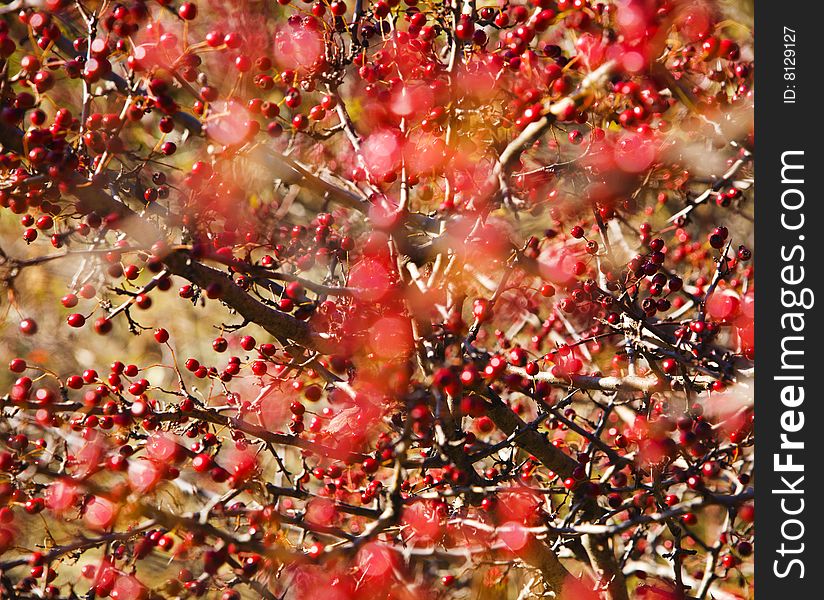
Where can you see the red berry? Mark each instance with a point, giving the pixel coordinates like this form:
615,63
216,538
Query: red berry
69,300
102,325
202,463
76,320
315,550
187,11
370,465
729,561
28,326
34,505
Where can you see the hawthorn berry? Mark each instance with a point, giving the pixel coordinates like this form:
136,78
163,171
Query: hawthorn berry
76,320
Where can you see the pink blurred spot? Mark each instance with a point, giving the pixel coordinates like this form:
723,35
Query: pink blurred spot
748,306
272,406
242,464
371,280
424,152
162,447
747,336
391,337
634,154
633,61
87,459
424,521
631,20
514,535
477,79
556,265
375,560
521,507
100,513
591,50
61,496
127,587
384,212
143,475
297,47
382,152
575,589
651,452
694,22
729,410
320,511
487,246
146,56
412,100
231,126
723,304
315,582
